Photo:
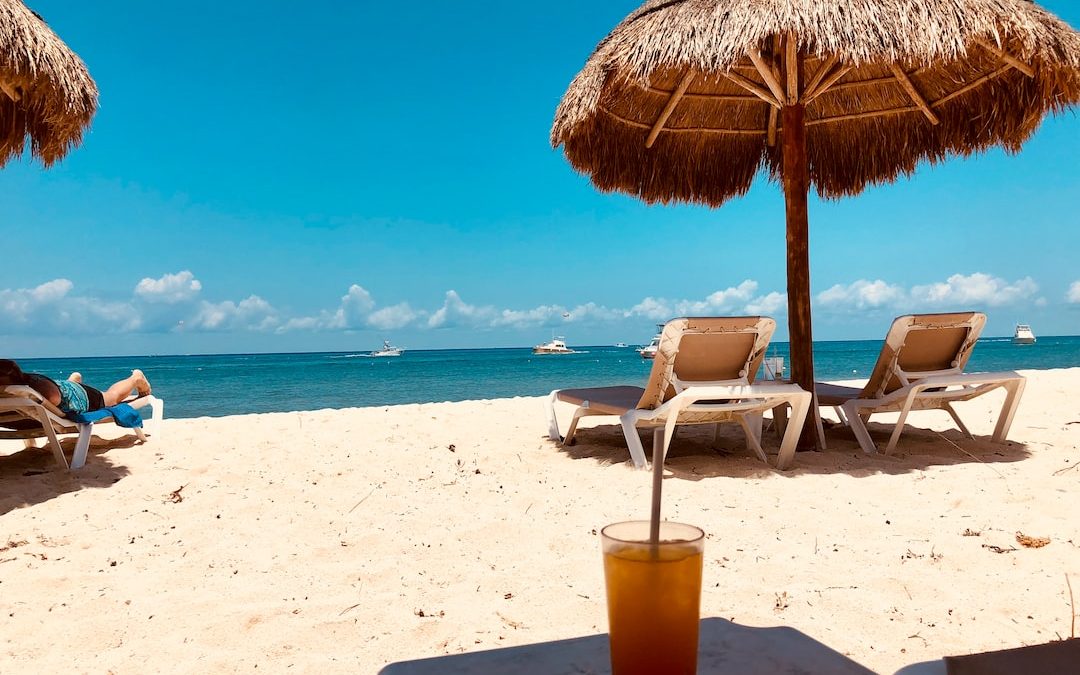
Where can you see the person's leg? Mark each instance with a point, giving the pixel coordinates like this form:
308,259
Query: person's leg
121,390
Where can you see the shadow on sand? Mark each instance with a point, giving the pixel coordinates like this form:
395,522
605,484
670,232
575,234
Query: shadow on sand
723,647
32,476
693,455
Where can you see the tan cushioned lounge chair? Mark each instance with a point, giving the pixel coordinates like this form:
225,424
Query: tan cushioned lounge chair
25,415
703,373
921,367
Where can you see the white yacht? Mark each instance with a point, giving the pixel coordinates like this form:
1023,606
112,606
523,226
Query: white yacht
556,346
387,350
1023,335
620,344
649,351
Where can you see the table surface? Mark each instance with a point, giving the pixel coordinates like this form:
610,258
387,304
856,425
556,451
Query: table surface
724,647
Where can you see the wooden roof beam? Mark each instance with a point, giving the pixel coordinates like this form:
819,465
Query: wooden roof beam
770,136
791,65
752,87
669,108
829,81
820,74
11,91
1006,57
913,93
769,75
971,85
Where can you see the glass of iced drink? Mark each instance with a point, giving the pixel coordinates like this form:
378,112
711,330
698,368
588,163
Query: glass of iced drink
653,597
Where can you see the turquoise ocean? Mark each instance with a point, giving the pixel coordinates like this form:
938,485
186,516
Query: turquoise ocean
233,384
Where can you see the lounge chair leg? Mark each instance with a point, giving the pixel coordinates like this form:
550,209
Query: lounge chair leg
820,427
959,423
752,430
799,408
716,434
82,446
1015,390
899,428
553,422
30,443
633,441
578,414
53,441
840,414
157,413
858,426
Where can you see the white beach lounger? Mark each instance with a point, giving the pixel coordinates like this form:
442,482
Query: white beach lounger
921,367
703,373
25,415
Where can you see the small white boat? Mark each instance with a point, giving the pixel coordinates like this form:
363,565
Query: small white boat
387,350
1023,335
620,344
556,346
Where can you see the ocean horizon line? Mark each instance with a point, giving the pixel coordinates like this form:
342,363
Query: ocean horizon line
773,343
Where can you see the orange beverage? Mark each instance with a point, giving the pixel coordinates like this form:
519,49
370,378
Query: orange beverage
653,597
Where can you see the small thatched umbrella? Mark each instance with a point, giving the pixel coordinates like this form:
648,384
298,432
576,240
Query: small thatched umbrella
46,93
686,100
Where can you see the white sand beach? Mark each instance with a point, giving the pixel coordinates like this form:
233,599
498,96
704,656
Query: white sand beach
344,540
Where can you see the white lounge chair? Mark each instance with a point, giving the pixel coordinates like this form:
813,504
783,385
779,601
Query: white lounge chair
921,367
703,373
26,415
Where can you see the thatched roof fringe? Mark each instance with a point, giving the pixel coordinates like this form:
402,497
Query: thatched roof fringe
887,84
50,96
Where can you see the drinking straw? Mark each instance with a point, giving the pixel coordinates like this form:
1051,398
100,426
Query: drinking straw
657,480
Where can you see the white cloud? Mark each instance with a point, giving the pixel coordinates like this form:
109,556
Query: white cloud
51,307
652,308
394,317
254,313
975,289
1073,294
457,312
862,294
169,288
767,305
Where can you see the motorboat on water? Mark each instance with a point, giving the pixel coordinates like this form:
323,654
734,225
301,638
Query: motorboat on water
620,344
1023,335
556,346
649,350
387,350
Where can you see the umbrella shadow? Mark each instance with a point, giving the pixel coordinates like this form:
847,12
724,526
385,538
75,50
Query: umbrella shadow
31,476
694,455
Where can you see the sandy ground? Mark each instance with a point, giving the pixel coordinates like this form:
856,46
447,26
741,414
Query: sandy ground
343,540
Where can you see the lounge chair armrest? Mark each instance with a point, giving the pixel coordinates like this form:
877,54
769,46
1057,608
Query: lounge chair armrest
966,379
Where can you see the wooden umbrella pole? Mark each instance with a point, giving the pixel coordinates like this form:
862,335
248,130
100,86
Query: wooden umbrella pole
796,194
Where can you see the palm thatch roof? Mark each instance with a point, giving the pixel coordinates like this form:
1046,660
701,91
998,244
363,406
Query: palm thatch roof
46,93
680,102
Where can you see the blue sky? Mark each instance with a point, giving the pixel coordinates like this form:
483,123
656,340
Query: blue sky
260,178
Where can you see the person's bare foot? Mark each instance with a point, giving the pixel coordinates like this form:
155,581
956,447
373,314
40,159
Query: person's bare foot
142,385
75,377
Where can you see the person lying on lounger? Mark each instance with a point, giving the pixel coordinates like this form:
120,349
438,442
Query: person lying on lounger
71,396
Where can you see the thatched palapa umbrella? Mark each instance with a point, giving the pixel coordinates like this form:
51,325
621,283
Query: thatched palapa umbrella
46,93
686,100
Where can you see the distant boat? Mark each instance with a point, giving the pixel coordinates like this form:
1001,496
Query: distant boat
556,346
387,350
1023,335
620,344
649,350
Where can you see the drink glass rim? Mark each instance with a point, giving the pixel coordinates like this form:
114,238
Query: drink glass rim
692,533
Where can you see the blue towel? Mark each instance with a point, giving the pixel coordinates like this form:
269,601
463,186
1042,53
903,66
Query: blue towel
122,413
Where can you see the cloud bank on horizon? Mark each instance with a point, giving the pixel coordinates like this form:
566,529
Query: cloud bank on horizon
175,303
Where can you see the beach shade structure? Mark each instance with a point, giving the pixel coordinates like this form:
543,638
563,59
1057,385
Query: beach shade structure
47,97
688,100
